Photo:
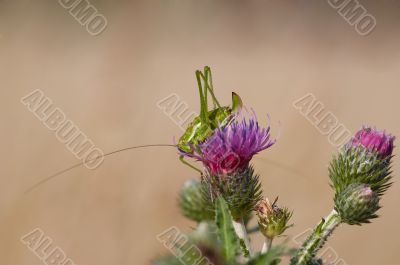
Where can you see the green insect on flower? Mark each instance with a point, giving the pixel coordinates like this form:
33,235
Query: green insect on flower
204,125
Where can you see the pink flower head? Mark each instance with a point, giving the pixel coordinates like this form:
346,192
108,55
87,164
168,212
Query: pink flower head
230,149
374,140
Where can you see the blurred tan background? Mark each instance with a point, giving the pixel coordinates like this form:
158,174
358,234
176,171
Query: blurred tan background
270,52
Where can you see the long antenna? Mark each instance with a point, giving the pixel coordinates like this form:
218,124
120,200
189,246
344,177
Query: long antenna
80,164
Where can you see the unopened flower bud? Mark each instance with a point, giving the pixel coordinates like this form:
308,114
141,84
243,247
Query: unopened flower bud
272,220
357,204
192,204
366,159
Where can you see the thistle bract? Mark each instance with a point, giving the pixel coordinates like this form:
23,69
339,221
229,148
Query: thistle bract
357,204
356,165
272,220
241,191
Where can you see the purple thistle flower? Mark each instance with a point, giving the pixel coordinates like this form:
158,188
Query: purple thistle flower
374,140
230,149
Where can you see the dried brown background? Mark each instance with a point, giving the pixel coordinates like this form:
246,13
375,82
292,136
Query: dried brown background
270,52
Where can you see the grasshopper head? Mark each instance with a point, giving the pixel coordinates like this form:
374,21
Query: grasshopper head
198,131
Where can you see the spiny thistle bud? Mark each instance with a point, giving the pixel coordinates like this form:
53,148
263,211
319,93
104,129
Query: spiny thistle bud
364,159
192,204
241,191
357,204
272,220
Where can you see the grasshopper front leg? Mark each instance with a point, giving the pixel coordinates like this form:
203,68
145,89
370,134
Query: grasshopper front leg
182,159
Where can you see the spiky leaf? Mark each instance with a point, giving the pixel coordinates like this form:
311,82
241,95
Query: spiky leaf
305,255
229,240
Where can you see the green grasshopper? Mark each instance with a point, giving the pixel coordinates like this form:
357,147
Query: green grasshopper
204,125
198,130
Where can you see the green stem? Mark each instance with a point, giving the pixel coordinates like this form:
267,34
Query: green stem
267,245
241,232
317,239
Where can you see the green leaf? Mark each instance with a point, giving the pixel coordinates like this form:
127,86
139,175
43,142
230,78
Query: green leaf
272,257
226,232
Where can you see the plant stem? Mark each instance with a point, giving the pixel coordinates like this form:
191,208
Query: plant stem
317,239
241,232
267,245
